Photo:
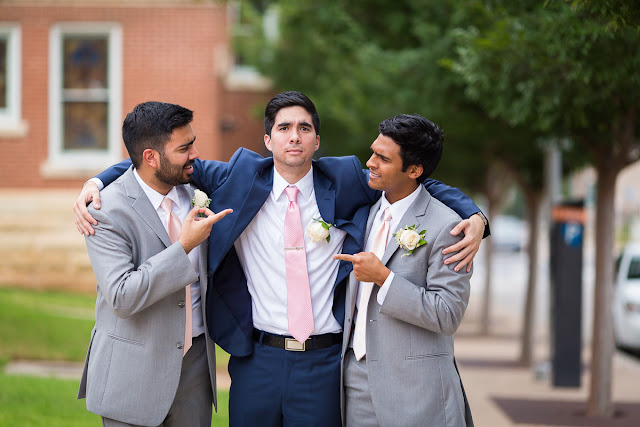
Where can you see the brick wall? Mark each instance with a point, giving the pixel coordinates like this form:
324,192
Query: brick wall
168,55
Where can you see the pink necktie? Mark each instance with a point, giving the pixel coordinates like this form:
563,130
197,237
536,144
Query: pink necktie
299,311
378,247
173,227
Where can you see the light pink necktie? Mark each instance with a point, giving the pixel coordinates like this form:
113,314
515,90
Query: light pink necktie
378,247
174,226
299,310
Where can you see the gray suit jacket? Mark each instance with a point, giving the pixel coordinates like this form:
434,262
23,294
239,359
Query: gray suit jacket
412,374
133,364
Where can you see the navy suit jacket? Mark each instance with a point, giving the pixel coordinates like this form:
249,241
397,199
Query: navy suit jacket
243,184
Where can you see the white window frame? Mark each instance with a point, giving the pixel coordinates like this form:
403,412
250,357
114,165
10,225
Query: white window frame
11,123
60,162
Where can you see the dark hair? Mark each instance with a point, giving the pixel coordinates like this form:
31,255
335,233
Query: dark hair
420,141
150,125
289,99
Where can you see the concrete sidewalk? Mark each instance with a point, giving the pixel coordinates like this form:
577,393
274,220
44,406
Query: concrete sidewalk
502,393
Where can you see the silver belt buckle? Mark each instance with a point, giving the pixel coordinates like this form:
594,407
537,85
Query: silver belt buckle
293,344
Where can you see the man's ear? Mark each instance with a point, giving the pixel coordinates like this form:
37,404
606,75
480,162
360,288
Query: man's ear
267,142
414,171
150,157
317,142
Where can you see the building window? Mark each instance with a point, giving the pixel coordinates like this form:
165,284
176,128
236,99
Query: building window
254,26
11,123
85,102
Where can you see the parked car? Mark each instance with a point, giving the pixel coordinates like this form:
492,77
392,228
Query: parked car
626,298
508,233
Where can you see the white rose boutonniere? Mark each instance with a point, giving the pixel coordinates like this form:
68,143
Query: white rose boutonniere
409,239
319,230
201,200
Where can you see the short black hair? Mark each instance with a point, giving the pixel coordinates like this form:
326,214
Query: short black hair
289,99
420,141
150,125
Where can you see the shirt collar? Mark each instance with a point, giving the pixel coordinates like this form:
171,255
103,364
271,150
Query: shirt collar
305,184
176,193
399,208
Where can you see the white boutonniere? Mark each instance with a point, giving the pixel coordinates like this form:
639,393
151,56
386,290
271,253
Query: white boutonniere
410,239
319,230
201,200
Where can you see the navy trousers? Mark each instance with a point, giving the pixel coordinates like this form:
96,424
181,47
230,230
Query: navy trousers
276,387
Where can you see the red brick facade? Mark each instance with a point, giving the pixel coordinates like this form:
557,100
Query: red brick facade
171,51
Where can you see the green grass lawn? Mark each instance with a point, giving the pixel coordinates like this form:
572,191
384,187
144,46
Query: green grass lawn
44,325
49,402
50,326
53,326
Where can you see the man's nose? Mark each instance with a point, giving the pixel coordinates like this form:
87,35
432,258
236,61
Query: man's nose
295,137
370,162
194,154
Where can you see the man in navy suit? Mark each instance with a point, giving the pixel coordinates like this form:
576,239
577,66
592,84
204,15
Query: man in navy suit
275,379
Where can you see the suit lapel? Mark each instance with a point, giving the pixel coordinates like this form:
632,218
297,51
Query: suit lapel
413,216
143,207
372,214
325,196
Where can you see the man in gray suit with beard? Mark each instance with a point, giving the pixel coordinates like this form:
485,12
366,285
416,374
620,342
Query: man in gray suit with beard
150,360
403,303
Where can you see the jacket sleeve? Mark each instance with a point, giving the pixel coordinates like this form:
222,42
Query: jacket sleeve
454,198
112,173
126,288
439,305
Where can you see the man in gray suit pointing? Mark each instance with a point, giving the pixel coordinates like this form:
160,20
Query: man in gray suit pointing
150,360
403,303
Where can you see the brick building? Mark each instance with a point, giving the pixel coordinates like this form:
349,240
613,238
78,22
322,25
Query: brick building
69,73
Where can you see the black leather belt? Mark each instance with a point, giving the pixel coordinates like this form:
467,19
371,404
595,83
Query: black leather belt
314,342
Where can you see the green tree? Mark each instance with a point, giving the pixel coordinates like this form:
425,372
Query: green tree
362,61
565,73
614,14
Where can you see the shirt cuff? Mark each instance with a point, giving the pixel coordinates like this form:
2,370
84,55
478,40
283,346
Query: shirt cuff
98,182
382,293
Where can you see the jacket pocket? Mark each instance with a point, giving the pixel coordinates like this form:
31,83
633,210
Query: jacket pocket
426,356
125,340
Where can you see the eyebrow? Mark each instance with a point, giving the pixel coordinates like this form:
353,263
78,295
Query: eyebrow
378,154
188,143
307,124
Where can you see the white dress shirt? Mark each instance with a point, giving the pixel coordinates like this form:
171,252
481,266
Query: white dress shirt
398,209
181,207
260,249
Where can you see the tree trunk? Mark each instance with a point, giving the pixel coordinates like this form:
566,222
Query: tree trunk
526,344
602,344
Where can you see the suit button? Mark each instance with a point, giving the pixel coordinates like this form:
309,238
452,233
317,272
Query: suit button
181,304
180,345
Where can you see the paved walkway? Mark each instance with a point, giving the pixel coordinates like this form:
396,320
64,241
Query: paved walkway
503,393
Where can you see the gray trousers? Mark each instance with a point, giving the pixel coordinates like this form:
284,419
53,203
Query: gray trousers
359,409
192,405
